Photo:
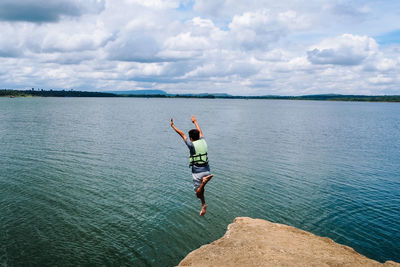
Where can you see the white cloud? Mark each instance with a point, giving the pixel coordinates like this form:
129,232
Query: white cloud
10,47
213,8
184,46
347,10
74,41
381,80
256,30
139,47
294,21
159,4
224,68
195,38
262,28
42,11
346,49
383,62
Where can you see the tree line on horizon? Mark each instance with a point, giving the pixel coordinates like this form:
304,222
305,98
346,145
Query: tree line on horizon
71,93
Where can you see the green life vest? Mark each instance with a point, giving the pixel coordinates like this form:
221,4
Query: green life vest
200,157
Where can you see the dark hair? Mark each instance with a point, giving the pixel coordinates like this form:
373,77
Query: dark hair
194,134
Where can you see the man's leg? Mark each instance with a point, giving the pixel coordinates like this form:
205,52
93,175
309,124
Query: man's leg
204,182
200,194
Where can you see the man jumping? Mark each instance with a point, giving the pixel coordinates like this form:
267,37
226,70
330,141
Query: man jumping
198,160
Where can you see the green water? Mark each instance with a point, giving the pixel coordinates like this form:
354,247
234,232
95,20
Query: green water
105,181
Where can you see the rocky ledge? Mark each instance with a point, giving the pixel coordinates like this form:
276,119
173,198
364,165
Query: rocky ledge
256,242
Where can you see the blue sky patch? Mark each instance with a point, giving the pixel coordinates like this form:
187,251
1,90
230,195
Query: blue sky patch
389,38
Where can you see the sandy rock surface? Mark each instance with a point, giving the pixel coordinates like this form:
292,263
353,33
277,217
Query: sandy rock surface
256,242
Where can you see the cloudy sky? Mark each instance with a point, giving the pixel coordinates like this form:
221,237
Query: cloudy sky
252,47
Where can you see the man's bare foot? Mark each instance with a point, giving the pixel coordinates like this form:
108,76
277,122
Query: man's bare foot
203,210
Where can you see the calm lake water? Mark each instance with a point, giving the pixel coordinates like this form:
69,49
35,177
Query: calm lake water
105,181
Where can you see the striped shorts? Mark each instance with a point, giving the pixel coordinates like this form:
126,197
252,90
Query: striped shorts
198,179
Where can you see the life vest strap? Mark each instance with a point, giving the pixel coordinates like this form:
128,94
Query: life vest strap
197,160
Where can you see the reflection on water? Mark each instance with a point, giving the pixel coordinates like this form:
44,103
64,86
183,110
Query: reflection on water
105,181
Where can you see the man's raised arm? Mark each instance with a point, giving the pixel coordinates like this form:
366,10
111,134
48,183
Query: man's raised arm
182,134
194,120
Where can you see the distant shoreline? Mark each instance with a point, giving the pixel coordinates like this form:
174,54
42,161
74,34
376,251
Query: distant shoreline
143,94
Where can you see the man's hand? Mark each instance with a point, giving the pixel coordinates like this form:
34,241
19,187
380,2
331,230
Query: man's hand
182,134
194,120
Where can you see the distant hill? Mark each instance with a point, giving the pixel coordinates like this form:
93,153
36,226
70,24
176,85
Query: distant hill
163,93
203,95
139,92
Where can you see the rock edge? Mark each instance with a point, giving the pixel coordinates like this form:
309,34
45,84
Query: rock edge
257,242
